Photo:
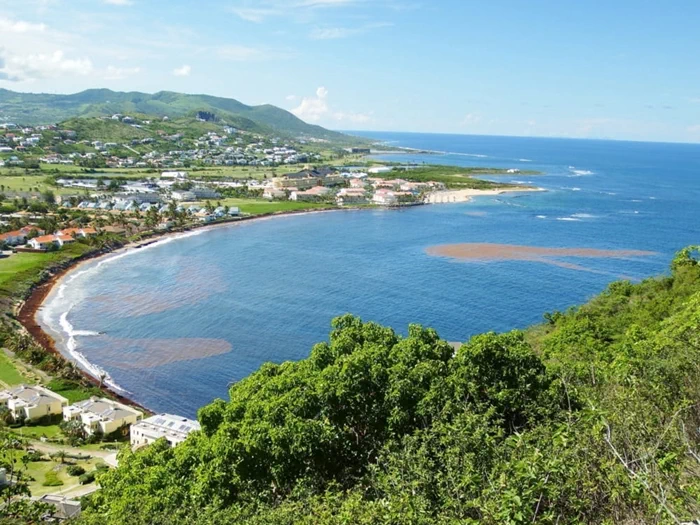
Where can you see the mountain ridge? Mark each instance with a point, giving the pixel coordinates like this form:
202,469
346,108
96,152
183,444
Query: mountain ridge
47,108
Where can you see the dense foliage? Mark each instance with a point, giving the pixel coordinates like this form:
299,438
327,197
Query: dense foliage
589,418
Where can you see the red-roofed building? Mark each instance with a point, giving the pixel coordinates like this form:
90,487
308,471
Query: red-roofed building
47,241
17,237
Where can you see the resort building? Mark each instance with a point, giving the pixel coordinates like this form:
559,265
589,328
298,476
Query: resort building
173,428
101,415
312,194
47,241
66,508
31,402
17,237
351,196
79,232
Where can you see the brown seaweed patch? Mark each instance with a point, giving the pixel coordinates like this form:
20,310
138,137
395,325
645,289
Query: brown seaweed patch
192,285
131,354
484,252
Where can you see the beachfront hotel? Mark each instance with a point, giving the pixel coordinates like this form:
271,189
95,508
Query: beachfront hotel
173,428
31,402
101,415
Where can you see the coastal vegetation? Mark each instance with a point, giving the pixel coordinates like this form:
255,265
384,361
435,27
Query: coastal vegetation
456,177
590,417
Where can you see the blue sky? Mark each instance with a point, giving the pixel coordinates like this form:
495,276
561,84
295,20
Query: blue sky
618,69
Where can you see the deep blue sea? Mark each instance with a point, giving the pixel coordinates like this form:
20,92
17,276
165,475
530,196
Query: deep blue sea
174,323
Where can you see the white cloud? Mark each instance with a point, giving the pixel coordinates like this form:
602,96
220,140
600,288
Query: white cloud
328,33
118,2
694,129
315,109
331,33
252,14
119,73
470,119
8,25
41,65
290,97
260,10
183,71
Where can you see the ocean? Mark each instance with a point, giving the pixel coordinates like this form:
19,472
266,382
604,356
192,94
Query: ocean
174,324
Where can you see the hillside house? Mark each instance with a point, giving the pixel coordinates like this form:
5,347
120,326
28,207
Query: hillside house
101,415
31,402
174,429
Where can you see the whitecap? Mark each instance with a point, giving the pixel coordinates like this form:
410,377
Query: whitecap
584,216
569,219
72,347
541,216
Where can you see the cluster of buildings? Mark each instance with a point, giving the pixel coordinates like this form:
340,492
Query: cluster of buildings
36,239
348,188
99,416
160,149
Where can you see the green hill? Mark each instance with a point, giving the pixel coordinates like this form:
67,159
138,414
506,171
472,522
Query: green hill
589,418
37,108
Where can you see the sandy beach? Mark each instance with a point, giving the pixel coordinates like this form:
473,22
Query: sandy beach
447,196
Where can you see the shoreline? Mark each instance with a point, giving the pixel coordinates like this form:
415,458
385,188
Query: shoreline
28,310
467,195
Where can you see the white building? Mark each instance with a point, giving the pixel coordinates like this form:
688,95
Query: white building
173,428
32,402
174,175
101,415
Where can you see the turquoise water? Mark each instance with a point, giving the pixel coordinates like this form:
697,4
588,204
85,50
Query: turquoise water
174,323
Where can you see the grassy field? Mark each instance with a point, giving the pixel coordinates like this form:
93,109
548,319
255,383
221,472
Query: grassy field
39,469
257,207
36,432
9,373
21,270
72,391
22,182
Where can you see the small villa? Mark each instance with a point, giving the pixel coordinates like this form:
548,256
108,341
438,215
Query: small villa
101,415
45,242
173,428
312,194
17,237
31,402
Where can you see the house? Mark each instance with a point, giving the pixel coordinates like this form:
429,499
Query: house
65,508
173,428
30,403
183,195
313,194
380,169
273,193
79,232
234,211
351,196
45,242
361,151
385,198
101,415
17,237
174,175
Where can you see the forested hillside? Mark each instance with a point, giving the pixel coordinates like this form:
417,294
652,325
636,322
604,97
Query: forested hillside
591,417
43,108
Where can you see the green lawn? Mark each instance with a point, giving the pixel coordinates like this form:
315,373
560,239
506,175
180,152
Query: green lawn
20,270
259,206
12,181
73,391
36,432
38,469
9,374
